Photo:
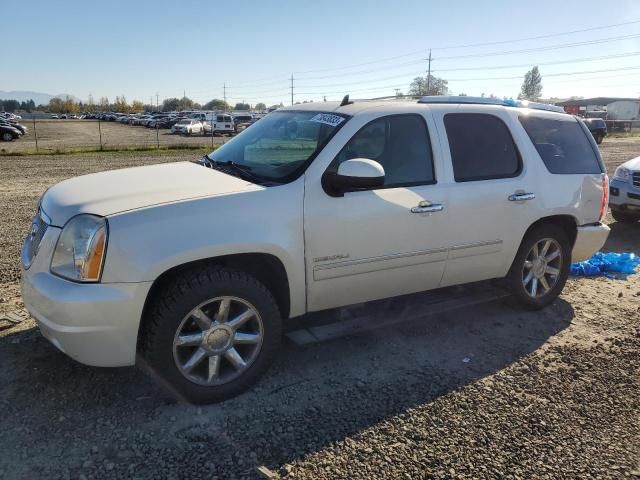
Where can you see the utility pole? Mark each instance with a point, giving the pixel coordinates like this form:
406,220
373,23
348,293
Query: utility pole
157,102
224,95
429,74
292,89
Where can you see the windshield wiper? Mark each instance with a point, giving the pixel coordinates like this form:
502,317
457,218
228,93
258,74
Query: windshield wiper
230,167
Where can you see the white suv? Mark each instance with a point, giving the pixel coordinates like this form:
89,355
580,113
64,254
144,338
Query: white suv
191,267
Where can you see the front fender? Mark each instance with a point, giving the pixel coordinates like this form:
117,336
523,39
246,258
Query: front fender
145,243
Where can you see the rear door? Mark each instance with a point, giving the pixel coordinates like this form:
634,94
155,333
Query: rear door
491,192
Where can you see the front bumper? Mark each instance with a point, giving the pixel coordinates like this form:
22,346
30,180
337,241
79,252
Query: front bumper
589,240
95,324
624,196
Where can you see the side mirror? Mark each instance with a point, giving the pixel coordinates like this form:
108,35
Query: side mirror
353,175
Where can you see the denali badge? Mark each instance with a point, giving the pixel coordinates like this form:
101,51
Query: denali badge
331,257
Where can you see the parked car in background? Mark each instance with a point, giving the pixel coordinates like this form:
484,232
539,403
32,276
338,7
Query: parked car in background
21,128
597,127
188,126
219,123
73,116
8,133
53,115
64,115
625,192
192,268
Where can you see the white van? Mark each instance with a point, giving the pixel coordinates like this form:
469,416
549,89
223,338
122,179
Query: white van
219,123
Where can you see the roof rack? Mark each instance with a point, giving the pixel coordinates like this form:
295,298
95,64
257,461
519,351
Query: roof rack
507,102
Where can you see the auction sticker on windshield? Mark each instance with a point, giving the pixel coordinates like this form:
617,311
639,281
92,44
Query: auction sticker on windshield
328,119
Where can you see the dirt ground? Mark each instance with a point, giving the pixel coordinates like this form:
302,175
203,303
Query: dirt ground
485,392
62,135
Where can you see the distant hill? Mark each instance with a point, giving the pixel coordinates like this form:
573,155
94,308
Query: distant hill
37,97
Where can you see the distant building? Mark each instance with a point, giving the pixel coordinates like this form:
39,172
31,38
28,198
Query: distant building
610,108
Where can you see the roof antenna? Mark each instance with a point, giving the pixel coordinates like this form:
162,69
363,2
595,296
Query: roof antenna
345,101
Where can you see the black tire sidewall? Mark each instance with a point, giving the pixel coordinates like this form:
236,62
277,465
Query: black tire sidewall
514,278
194,290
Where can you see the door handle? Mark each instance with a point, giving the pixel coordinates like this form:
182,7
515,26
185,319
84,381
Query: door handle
521,197
427,207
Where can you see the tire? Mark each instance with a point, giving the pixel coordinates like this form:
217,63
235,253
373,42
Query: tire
170,320
599,139
7,137
188,134
524,280
622,217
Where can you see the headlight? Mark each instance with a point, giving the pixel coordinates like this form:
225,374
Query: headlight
622,173
81,248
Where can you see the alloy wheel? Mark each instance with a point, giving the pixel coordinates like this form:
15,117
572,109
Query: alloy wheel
542,267
218,341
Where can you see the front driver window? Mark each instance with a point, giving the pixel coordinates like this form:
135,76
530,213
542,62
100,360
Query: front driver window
400,143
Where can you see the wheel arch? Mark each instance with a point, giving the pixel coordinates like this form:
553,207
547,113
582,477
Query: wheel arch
568,223
265,267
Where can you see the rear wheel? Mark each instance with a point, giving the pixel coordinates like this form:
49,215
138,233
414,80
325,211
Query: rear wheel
599,138
541,267
622,217
211,334
7,137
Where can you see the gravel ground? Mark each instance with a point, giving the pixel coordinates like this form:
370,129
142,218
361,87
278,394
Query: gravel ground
485,392
69,134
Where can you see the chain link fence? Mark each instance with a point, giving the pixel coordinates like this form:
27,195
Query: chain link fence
46,135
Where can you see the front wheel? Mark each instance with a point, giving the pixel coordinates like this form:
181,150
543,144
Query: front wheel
599,139
7,137
211,334
541,267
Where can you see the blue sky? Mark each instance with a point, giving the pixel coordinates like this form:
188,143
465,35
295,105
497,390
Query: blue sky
366,48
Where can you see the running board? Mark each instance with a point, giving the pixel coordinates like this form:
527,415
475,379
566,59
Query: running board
352,320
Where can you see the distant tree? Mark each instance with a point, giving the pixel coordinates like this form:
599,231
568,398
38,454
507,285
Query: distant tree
136,106
242,106
28,106
216,104
260,107
9,105
121,105
170,104
462,94
104,104
428,85
532,86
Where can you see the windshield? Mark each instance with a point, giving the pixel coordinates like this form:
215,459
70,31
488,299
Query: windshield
280,145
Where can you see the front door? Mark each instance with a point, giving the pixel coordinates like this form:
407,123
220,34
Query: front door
377,243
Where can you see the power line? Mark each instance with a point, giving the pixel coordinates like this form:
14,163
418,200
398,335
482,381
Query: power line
527,65
539,49
562,74
482,44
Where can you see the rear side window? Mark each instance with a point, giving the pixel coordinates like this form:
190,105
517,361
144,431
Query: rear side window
562,144
481,147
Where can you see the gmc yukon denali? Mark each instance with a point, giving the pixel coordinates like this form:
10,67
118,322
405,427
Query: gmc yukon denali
191,267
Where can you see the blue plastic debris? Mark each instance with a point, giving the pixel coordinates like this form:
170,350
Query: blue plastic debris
606,264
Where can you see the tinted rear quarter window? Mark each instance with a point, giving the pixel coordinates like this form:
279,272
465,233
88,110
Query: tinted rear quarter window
563,144
482,147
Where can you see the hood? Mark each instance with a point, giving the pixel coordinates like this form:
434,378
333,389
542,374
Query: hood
633,164
108,193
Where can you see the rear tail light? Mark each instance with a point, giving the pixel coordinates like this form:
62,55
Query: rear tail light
605,197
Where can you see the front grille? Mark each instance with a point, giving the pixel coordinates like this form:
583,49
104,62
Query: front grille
636,179
32,242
